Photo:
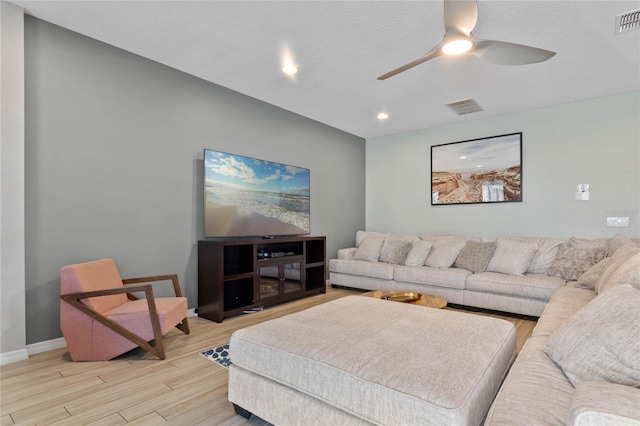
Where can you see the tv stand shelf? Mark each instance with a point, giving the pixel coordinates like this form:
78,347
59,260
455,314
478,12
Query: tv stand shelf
241,274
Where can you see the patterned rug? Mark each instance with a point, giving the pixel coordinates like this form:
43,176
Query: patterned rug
219,355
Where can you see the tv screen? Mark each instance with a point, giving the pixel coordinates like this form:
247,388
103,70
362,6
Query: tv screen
246,196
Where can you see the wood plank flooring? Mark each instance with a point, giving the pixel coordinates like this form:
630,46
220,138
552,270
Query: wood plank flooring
139,389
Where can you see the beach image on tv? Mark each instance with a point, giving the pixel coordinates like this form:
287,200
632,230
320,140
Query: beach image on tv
250,197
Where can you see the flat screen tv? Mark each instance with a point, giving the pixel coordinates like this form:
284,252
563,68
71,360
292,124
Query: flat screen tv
248,197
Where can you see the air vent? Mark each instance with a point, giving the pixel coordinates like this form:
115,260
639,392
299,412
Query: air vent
466,106
628,21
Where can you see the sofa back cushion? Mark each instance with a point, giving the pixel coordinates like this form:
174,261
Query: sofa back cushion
600,342
512,256
545,255
572,262
475,255
369,249
361,235
625,270
395,249
444,251
418,253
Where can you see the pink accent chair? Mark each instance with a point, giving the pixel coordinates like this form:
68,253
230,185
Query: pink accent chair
100,318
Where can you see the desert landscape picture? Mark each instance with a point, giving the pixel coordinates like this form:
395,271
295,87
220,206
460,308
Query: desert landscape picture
487,170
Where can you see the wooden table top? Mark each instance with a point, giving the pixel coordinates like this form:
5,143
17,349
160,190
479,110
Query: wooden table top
408,297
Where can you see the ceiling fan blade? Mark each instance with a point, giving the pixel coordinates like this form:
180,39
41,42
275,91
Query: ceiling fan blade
435,52
504,53
460,16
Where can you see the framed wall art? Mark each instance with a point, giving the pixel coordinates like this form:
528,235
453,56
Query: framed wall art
485,170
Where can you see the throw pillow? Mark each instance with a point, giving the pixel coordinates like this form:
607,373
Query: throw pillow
544,256
583,243
394,250
369,249
572,262
600,342
627,273
418,253
361,235
619,258
618,241
475,255
590,278
444,251
512,257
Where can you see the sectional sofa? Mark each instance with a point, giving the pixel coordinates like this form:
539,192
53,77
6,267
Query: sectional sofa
517,274
581,366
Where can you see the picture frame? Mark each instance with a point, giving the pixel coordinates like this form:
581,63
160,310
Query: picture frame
483,170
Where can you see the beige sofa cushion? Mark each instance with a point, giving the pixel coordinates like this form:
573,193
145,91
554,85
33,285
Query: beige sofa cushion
535,392
361,235
475,255
444,251
369,249
601,403
450,278
572,262
418,253
395,249
531,286
590,278
601,342
365,269
584,243
512,256
625,270
544,256
564,303
618,241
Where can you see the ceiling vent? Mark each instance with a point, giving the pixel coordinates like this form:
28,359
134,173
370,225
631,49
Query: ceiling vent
466,106
628,21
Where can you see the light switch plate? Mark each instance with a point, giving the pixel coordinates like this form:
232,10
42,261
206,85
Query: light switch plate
617,221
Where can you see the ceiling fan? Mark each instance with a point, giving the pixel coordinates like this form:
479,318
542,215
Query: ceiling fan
460,18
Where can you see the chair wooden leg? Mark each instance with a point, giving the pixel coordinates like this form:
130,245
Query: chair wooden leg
184,326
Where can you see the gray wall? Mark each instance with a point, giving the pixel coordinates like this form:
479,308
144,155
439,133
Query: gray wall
594,141
114,164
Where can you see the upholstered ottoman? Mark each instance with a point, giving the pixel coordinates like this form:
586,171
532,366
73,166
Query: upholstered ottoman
360,360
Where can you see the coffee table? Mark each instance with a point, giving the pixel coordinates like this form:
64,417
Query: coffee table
408,297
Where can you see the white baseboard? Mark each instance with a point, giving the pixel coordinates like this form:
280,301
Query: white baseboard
15,356
48,345
35,348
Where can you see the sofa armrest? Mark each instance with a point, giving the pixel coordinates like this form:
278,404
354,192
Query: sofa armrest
346,253
603,403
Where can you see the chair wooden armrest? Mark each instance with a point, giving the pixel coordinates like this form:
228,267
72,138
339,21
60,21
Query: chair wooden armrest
184,326
151,279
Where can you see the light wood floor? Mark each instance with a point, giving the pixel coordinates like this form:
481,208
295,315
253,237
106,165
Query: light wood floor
137,388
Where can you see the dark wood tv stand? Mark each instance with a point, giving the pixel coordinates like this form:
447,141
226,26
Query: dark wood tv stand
238,275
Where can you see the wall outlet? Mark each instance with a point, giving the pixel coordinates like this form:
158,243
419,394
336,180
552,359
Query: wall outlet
617,221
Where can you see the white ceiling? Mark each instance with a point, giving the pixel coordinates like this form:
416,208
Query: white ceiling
341,47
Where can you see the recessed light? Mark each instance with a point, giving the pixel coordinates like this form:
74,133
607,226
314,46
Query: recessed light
383,116
289,69
463,157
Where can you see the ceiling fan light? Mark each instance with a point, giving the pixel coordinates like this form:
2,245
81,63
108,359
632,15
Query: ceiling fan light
456,47
289,69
